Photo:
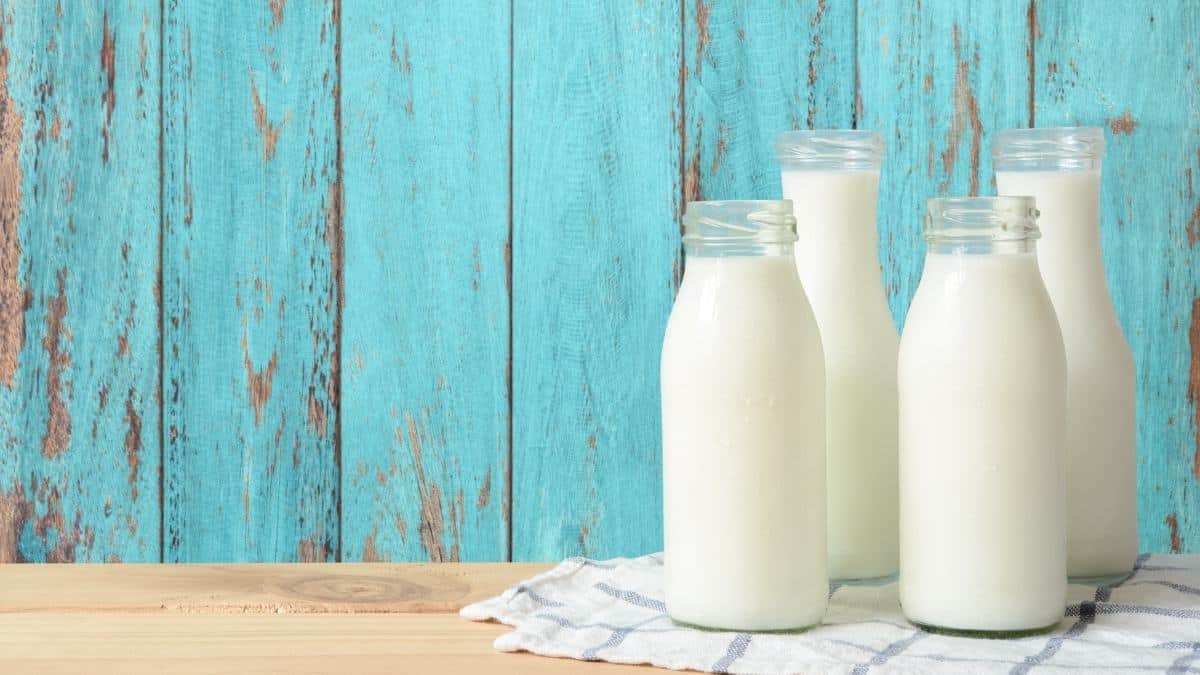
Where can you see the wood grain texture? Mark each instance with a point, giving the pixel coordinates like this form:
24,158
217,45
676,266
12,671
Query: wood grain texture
755,69
425,111
260,618
379,643
937,78
596,203
251,250
79,238
1086,74
256,589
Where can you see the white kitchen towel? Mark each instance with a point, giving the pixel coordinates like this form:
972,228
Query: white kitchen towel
613,610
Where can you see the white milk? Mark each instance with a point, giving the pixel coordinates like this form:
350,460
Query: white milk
743,446
982,377
1101,442
838,261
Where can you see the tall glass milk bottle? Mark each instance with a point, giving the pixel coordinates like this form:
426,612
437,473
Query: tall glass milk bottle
1060,168
743,413
983,394
832,177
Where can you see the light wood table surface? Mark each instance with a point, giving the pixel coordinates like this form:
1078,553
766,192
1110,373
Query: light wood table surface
294,618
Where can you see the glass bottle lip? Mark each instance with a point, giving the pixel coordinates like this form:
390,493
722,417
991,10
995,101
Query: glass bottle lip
739,227
1049,149
981,219
830,149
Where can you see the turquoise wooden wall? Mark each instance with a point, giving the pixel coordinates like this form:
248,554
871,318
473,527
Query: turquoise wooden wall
364,280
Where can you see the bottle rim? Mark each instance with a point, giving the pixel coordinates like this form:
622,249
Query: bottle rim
981,219
745,223
1048,149
836,149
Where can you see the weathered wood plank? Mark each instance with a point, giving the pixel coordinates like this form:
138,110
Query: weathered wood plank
1086,73
262,589
251,264
305,643
79,239
937,78
596,202
425,107
755,69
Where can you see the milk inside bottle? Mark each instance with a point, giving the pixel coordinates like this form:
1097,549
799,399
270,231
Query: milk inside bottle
743,413
832,178
1060,168
982,377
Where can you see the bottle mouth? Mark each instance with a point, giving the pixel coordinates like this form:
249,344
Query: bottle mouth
833,149
1054,149
741,227
981,219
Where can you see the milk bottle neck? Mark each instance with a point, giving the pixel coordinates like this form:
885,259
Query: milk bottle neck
741,229
981,225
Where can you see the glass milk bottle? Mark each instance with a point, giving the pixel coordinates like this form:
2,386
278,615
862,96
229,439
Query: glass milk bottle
743,413
833,179
1060,168
983,387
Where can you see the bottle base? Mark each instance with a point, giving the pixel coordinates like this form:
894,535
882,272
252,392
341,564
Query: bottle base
728,629
986,634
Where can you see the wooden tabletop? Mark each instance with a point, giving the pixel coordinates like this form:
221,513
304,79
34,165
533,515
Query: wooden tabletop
299,618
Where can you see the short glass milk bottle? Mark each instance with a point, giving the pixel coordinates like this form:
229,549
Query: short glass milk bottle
832,178
743,414
1060,168
982,379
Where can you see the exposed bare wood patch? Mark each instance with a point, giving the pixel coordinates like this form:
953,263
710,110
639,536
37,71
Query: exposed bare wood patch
258,382
404,63
691,173
1193,227
311,551
814,53
432,525
270,133
702,36
722,147
1193,392
457,511
858,97
189,198
1123,125
277,12
335,239
370,554
108,63
13,299
1173,525
317,417
966,114
143,51
133,441
476,268
508,270
53,524
15,511
58,421
402,527
485,491
1035,32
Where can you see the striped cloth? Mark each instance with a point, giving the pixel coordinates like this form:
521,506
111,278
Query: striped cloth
612,611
